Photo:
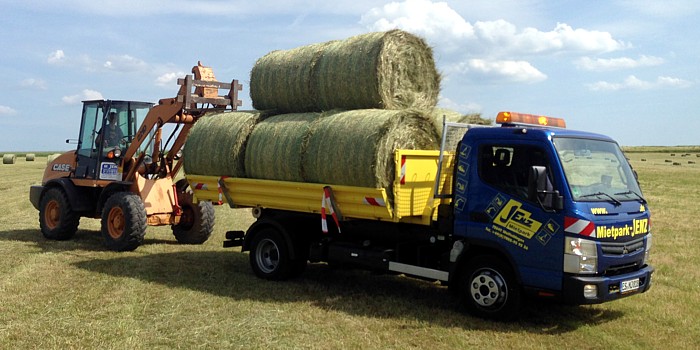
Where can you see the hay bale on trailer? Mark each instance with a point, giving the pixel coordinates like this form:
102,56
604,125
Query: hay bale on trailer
356,148
29,157
9,158
276,146
389,70
216,143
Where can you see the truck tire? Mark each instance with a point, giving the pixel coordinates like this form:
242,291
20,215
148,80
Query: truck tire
197,220
270,256
56,217
123,222
488,289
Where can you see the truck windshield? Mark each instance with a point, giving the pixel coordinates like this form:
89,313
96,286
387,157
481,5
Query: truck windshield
597,170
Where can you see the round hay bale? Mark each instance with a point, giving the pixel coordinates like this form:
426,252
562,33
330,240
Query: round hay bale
9,158
390,70
216,143
356,148
52,157
275,147
29,157
282,79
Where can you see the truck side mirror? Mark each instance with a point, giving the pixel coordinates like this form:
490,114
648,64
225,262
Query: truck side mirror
541,190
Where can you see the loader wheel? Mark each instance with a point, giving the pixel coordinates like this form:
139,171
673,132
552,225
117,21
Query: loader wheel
489,290
56,217
123,222
269,256
197,220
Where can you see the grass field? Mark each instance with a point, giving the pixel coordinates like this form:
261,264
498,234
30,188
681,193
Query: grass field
76,294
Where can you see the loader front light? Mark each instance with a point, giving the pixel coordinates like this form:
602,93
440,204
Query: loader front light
580,256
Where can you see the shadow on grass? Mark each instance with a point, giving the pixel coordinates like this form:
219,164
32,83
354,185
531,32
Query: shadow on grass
84,240
227,273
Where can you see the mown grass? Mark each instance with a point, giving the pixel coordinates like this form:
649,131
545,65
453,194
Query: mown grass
76,294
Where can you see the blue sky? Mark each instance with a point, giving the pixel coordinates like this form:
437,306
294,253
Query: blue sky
625,68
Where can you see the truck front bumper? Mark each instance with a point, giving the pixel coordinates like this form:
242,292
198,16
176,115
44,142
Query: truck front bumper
601,289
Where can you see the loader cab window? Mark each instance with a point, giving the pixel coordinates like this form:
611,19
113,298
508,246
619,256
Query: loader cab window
506,167
92,114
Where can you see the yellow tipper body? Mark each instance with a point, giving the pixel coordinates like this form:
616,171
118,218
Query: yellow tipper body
413,192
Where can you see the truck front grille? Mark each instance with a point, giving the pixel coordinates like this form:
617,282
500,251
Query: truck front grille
614,248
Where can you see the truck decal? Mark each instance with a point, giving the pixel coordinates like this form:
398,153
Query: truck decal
516,219
61,167
636,227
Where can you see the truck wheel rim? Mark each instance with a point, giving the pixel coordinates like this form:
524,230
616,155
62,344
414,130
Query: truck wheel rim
267,255
488,289
52,216
115,223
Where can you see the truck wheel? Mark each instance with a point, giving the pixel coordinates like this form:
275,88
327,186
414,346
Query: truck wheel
269,256
197,220
123,222
56,218
489,290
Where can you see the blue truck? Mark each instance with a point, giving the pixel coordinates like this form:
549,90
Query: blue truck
499,213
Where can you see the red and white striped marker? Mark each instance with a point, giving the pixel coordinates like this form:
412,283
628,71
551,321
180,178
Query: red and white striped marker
326,202
375,202
403,170
579,227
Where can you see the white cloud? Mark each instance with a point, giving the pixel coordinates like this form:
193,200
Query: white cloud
634,83
469,107
4,110
608,64
33,83
56,57
84,95
440,24
125,63
505,70
169,79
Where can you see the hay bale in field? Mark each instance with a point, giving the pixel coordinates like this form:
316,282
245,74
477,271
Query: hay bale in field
9,158
52,157
275,147
29,157
390,70
357,147
216,143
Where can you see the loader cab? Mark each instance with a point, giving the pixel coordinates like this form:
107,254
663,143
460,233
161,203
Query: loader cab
106,130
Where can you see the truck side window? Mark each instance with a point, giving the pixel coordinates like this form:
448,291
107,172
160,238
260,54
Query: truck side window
506,166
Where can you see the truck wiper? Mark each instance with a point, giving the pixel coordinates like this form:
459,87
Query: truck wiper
597,194
641,199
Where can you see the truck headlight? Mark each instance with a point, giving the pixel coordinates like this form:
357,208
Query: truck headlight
647,249
580,256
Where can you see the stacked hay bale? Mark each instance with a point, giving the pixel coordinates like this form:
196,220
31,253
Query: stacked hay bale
9,158
216,144
387,70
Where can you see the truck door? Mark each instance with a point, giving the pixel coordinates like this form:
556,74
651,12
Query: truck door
497,212
87,148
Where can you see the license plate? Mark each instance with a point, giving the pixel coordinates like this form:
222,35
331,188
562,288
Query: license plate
629,286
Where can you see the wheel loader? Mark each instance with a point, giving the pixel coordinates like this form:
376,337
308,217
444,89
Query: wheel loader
123,170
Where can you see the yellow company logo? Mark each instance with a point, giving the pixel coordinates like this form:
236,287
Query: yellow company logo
513,217
638,227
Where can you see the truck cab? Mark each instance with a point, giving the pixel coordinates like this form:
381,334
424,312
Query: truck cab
562,210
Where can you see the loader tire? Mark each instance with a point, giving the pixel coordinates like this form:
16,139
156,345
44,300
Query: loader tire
123,222
56,217
197,220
